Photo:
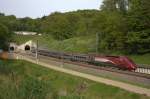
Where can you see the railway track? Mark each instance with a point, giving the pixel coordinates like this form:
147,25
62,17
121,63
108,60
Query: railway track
142,72
122,85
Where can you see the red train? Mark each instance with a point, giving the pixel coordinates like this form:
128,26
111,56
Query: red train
121,62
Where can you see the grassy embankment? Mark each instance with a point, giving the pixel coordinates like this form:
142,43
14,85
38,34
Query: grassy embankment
78,44
24,80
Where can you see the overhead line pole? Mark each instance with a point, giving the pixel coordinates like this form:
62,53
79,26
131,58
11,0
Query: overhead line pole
61,52
37,51
97,42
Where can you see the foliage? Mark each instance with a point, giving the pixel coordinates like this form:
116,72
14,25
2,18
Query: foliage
121,25
33,88
4,36
8,21
138,21
67,25
37,82
112,27
115,5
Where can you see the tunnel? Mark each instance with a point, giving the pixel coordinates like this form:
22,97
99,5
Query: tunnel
11,48
27,48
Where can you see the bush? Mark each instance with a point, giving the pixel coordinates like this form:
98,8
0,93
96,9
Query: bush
32,88
4,34
4,69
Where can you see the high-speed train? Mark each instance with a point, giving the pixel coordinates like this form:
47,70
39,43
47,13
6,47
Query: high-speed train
121,62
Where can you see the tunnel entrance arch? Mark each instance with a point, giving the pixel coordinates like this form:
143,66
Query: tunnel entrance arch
11,48
27,48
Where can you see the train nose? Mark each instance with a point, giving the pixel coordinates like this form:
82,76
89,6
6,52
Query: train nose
133,66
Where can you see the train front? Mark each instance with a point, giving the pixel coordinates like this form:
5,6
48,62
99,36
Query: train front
130,65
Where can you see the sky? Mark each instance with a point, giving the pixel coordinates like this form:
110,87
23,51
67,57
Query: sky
39,8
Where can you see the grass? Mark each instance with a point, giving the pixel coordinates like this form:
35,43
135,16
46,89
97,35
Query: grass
24,80
141,59
77,45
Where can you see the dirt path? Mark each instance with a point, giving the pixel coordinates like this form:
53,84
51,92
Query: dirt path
128,87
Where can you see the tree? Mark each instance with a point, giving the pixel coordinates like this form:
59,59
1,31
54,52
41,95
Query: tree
109,5
112,30
2,14
139,23
139,15
115,5
58,26
4,37
8,21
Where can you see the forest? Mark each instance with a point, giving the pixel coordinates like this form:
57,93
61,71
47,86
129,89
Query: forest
121,25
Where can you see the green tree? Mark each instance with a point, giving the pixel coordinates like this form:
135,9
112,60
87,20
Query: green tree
139,15
115,5
8,21
58,26
109,5
112,30
139,23
4,37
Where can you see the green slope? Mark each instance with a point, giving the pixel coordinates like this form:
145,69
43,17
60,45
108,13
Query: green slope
82,44
24,80
78,44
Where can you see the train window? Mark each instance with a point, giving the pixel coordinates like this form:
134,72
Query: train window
76,57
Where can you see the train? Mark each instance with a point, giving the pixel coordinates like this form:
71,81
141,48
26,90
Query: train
119,62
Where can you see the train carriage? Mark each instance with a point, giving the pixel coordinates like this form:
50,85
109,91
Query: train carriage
121,62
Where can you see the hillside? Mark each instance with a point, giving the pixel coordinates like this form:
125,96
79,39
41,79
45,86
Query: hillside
84,44
24,80
118,28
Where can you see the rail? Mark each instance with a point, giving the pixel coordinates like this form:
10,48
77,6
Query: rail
138,73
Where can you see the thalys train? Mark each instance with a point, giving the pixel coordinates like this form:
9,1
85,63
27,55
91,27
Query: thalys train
120,62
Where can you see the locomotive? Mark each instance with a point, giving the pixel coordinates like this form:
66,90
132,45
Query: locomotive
120,62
